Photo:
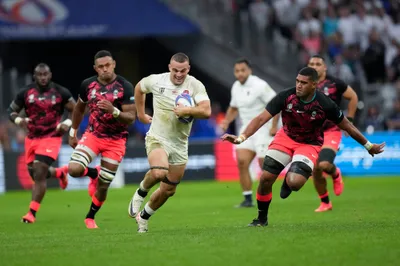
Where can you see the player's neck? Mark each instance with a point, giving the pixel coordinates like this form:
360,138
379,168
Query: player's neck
43,88
322,78
309,98
244,82
105,82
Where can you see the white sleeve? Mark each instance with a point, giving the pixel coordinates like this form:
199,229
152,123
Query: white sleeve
147,83
268,93
199,93
233,102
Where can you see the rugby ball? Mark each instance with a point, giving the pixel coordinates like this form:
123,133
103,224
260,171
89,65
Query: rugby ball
186,100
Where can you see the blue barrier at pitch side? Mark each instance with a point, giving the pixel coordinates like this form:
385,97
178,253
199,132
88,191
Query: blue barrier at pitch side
354,160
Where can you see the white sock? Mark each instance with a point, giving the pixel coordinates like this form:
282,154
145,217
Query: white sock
245,193
142,187
149,210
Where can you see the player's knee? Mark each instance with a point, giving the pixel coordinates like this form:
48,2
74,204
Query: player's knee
40,171
326,158
272,166
159,173
324,165
30,170
297,175
243,163
75,170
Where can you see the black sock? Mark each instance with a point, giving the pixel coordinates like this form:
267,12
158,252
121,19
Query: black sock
92,211
142,193
144,215
92,173
325,199
248,197
33,212
263,207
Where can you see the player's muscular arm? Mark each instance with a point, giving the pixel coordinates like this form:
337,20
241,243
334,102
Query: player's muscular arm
128,114
77,114
13,113
140,99
356,135
201,110
256,123
352,97
231,115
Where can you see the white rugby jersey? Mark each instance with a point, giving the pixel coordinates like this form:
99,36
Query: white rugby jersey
251,98
165,125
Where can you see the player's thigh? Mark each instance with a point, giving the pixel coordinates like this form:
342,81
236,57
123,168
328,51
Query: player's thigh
49,147
30,147
332,140
303,163
177,153
275,161
83,154
112,152
245,154
157,156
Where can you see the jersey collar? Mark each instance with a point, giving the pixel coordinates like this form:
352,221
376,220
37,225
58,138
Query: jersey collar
313,98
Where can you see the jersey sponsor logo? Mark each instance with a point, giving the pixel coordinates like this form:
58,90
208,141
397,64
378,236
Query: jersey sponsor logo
41,98
103,92
300,112
34,12
162,89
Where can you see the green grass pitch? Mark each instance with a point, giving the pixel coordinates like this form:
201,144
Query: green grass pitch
199,226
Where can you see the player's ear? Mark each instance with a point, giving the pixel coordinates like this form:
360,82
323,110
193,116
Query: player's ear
169,67
115,63
188,68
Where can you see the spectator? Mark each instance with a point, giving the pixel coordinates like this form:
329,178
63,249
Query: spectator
341,70
335,45
394,69
287,15
330,22
373,60
363,23
346,26
393,122
374,121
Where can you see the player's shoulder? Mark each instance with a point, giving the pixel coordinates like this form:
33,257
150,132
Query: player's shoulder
334,79
60,88
26,88
124,81
323,99
287,92
194,81
88,81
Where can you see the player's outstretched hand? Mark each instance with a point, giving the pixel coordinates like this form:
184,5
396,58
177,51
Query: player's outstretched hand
72,141
146,119
230,138
376,148
106,106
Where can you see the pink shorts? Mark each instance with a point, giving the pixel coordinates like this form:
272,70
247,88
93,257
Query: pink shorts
284,143
332,139
111,150
49,147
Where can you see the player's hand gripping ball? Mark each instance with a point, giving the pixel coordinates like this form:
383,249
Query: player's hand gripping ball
184,100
